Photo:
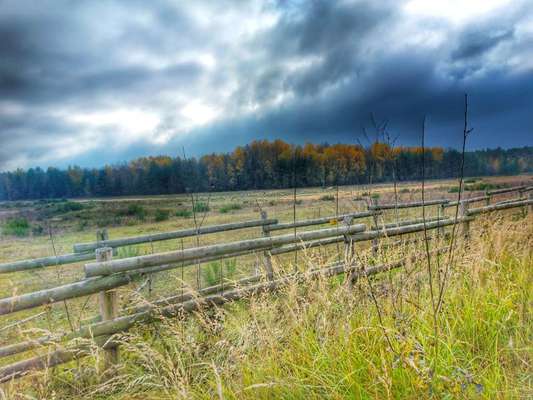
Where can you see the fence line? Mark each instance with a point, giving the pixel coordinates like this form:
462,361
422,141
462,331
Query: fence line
107,275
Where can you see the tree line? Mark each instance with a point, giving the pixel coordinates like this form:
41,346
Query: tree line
261,165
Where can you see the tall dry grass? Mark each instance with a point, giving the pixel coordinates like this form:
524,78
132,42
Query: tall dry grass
324,340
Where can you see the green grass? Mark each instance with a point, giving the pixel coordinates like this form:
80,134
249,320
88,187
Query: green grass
225,208
320,340
217,272
201,207
161,215
19,226
183,213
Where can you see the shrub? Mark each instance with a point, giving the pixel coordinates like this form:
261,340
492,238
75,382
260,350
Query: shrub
68,206
183,213
229,207
136,210
327,197
375,195
17,227
161,215
200,207
405,190
219,270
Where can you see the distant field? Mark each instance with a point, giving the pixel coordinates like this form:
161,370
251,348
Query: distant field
53,227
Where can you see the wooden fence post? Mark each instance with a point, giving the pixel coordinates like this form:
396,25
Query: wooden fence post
487,200
375,242
349,251
463,212
441,214
267,256
108,302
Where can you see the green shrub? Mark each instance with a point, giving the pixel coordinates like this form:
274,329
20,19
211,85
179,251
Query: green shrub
453,189
327,197
16,227
161,215
405,190
68,206
200,207
229,207
183,213
137,211
375,195
219,270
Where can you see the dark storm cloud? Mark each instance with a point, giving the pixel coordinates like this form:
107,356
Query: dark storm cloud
97,82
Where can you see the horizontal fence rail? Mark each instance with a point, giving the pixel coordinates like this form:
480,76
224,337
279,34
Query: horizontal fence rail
172,235
319,221
407,205
36,263
497,207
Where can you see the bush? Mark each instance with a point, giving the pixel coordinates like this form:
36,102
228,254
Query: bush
16,227
375,195
405,190
200,207
229,207
161,215
136,210
68,206
327,197
219,270
183,213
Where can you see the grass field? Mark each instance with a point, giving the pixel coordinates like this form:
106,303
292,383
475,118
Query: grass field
379,340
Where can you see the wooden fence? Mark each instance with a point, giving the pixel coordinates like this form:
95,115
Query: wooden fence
105,274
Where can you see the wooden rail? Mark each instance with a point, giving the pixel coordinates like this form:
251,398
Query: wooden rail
80,247
407,205
319,221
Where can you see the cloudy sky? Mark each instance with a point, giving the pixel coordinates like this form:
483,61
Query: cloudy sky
94,82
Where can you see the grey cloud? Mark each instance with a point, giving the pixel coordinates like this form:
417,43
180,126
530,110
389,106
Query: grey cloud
333,63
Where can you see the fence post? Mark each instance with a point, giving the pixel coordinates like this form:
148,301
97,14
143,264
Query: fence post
487,200
375,243
349,250
524,208
441,215
108,303
463,212
267,256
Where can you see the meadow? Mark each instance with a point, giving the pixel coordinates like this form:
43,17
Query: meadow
378,339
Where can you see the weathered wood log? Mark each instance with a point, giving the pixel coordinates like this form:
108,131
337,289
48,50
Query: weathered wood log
404,230
306,245
407,205
80,247
131,264
470,200
506,190
52,359
497,207
411,222
318,221
37,263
